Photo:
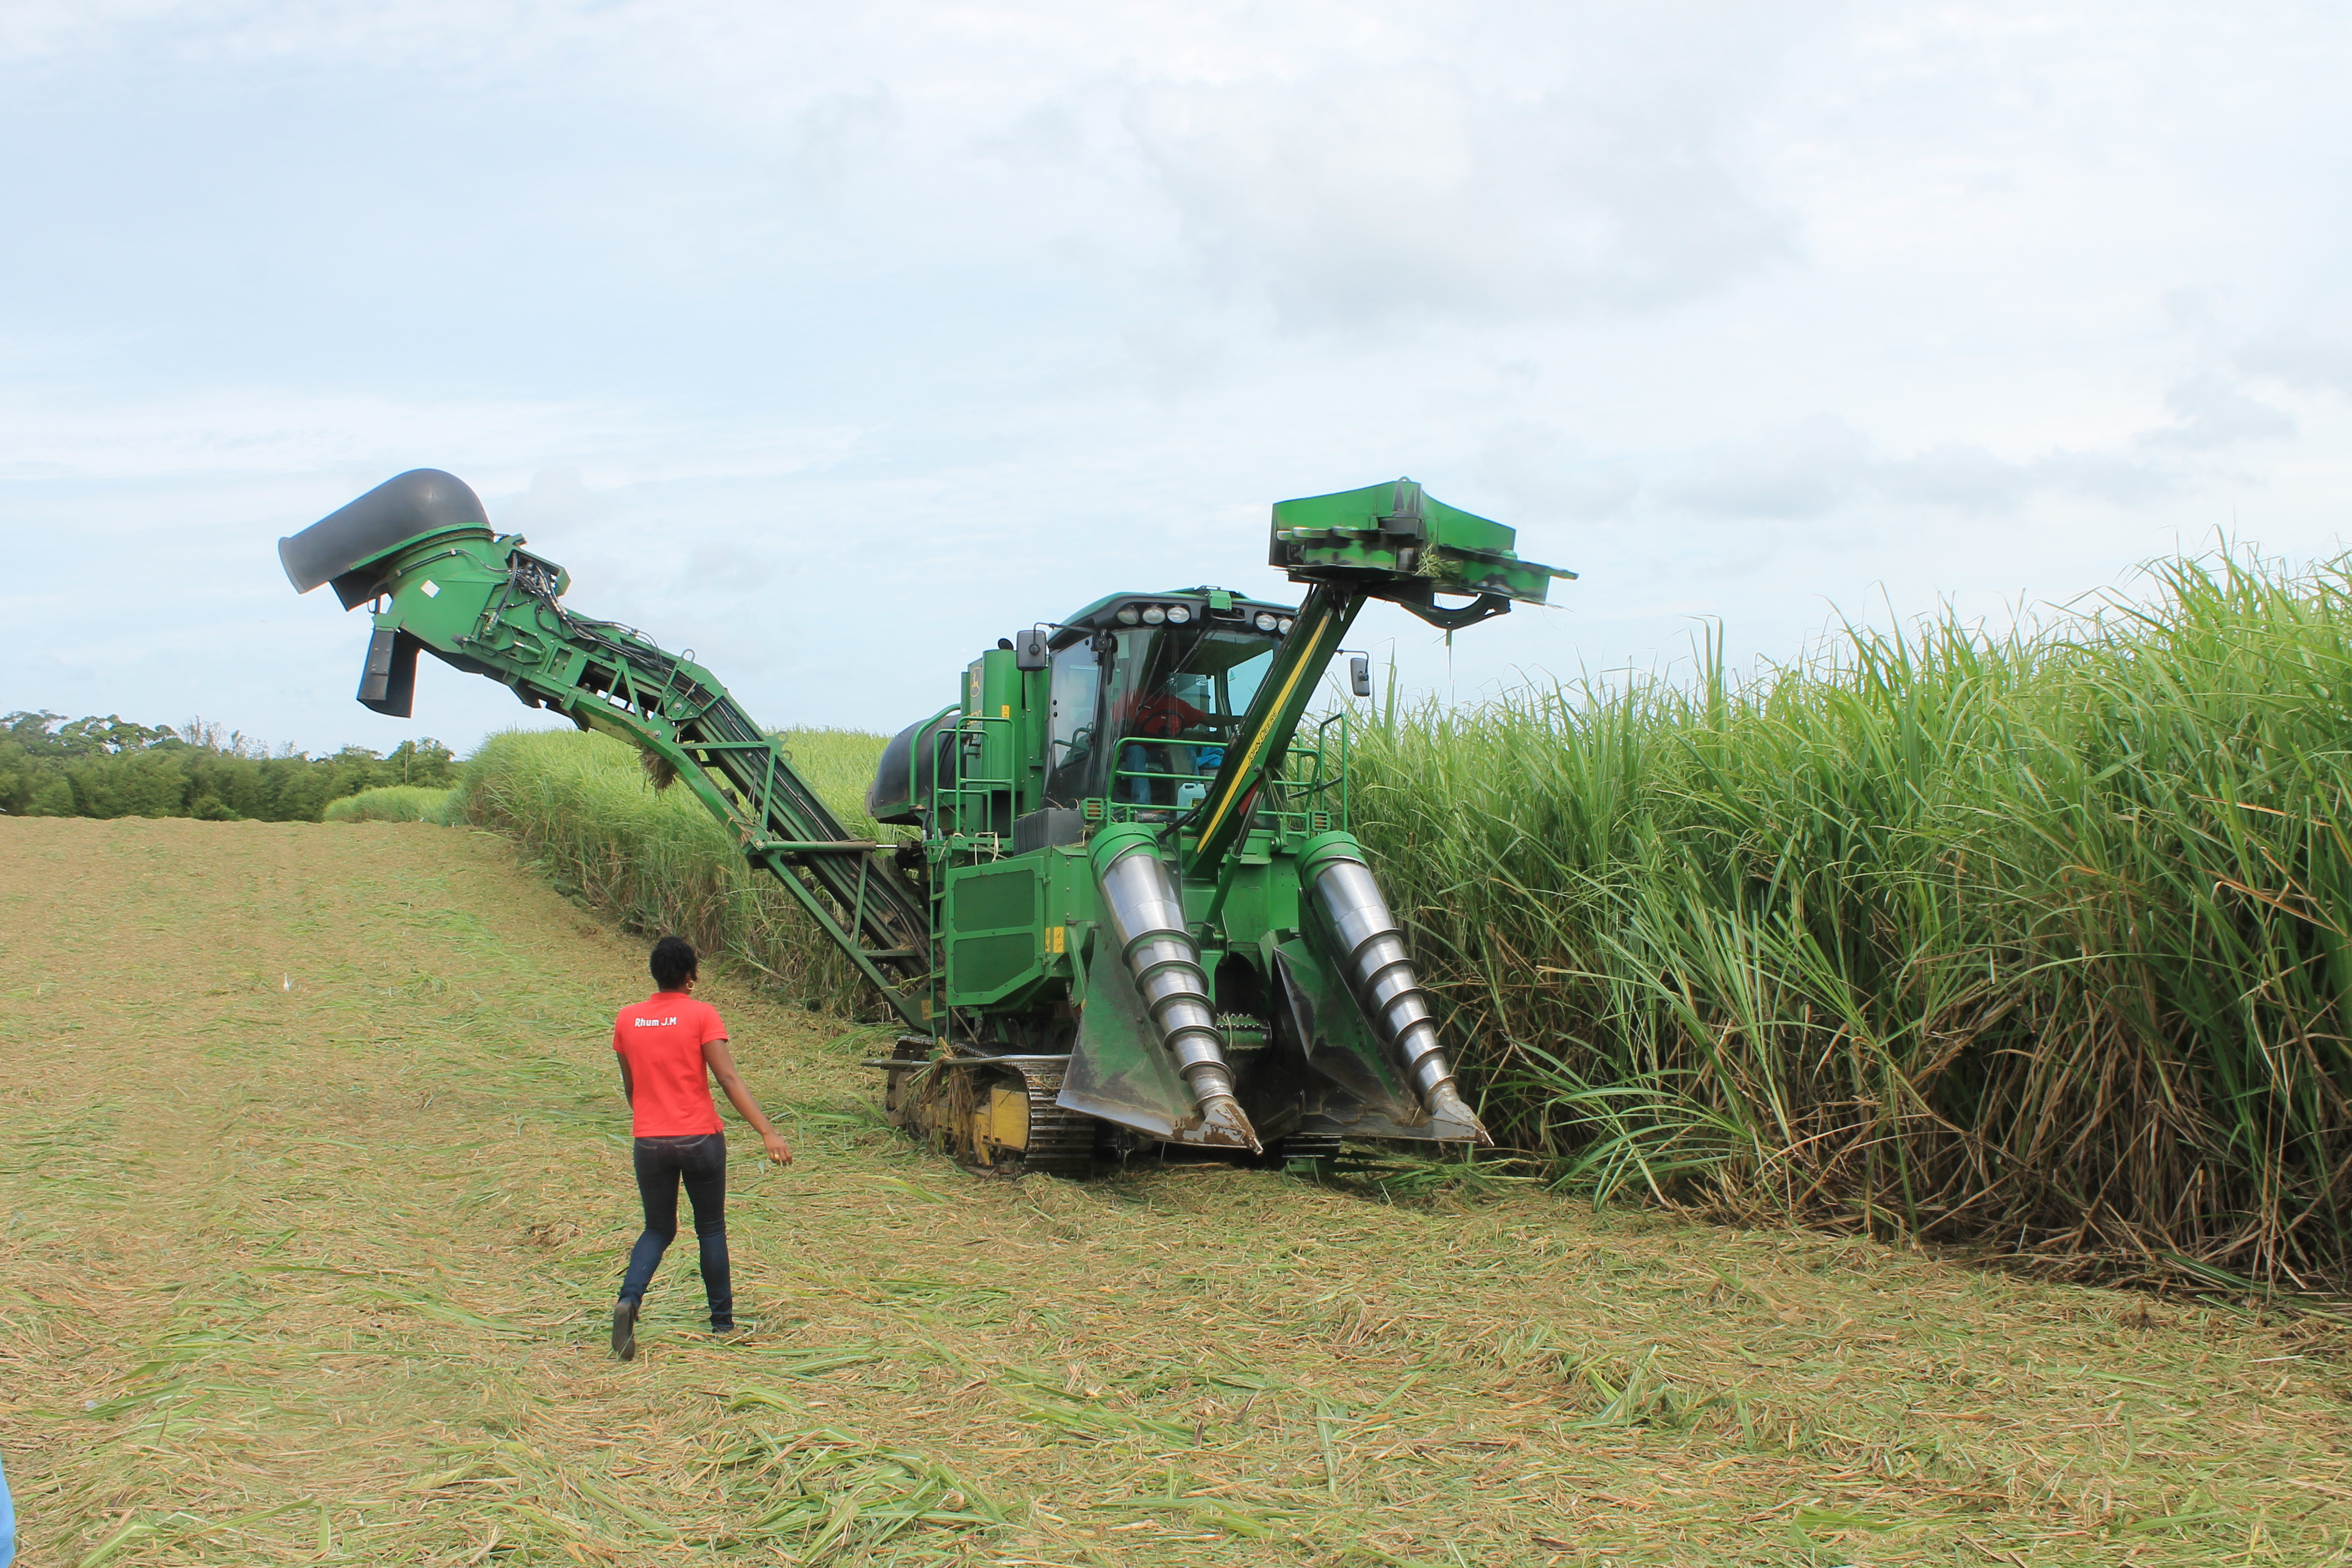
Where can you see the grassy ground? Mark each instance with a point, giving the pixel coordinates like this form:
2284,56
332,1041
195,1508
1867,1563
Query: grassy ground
314,1186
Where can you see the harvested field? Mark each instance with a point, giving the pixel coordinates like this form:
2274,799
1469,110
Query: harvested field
315,1182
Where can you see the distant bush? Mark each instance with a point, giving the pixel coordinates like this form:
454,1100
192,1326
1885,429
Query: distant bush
111,767
394,803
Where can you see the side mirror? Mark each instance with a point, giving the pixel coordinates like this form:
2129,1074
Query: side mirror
1359,675
1029,650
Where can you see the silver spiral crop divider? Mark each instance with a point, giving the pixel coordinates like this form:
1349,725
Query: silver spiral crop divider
1148,915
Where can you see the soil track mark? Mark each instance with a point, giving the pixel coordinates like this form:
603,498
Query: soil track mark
315,1189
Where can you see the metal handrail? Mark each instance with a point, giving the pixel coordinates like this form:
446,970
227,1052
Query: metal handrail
1313,786
950,782
950,743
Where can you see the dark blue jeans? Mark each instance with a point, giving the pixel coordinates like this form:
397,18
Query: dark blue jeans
701,1163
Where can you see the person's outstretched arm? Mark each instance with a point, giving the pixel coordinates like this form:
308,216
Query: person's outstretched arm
722,1068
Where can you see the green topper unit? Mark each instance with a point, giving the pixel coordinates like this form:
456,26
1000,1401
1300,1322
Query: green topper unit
1128,910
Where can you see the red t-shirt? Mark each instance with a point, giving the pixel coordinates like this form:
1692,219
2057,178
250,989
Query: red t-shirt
662,1038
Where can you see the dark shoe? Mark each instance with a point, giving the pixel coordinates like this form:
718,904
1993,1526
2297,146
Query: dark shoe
624,1328
733,1333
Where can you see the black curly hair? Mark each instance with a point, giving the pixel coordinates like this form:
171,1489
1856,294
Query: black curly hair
674,963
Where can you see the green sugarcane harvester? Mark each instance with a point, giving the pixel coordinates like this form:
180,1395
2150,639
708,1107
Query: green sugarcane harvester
1134,915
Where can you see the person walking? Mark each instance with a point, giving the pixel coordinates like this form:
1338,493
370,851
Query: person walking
667,1043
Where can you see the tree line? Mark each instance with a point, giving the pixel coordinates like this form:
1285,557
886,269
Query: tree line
50,766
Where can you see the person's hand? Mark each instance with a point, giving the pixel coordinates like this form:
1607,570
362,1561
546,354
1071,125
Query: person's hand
778,1151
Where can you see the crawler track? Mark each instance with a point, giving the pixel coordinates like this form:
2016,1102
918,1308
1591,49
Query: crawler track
935,1099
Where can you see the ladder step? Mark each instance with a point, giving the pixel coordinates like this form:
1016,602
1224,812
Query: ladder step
813,847
877,955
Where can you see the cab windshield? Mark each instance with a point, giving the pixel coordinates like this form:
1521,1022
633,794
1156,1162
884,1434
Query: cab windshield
1159,704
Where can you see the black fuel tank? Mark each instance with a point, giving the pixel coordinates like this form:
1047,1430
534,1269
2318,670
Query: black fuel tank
902,781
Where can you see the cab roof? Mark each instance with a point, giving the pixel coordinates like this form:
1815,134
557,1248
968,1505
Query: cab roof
1203,601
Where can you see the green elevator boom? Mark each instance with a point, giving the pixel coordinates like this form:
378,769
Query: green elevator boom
1132,912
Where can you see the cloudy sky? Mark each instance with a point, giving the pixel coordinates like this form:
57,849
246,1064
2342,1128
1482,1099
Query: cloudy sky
834,342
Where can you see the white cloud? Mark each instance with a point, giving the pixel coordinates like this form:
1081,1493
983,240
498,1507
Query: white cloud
1802,470
2209,412
1359,197
1816,467
1543,475
2304,357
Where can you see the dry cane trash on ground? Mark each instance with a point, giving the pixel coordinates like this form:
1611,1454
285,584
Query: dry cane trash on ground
314,1191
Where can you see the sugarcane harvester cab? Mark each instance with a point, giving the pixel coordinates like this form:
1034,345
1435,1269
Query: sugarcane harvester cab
1133,914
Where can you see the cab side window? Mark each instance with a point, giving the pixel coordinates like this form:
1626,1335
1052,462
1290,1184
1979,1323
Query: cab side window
1076,688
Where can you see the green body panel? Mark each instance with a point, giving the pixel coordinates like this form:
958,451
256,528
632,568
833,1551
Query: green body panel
1175,719
995,915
